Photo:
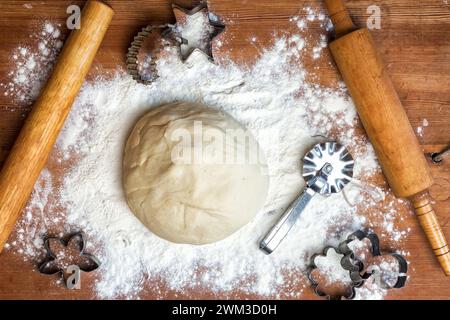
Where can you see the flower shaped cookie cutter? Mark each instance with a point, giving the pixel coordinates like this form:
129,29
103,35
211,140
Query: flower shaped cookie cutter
53,263
353,265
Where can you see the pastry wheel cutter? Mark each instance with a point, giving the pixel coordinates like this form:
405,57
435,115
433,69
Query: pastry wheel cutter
327,169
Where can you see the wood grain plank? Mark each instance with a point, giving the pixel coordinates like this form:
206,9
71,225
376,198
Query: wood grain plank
414,41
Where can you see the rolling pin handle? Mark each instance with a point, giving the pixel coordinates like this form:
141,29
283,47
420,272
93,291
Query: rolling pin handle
340,17
430,224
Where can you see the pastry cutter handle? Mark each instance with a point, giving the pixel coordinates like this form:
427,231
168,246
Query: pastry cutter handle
290,217
286,222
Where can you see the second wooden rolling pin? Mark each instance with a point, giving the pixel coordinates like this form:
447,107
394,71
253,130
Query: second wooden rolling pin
36,139
386,123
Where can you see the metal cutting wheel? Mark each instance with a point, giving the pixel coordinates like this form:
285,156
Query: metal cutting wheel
338,157
327,169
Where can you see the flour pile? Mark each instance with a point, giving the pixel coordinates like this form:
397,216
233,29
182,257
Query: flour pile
285,113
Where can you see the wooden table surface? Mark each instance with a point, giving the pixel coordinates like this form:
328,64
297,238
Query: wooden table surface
414,39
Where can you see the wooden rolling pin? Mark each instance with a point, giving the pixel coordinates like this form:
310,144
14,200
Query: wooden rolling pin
40,131
386,123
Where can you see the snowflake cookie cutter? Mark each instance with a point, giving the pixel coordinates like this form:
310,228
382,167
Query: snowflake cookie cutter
169,36
51,265
356,268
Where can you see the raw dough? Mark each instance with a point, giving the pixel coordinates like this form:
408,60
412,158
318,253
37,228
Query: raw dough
185,193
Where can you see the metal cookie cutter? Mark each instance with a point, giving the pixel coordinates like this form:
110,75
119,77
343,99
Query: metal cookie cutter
182,14
372,271
327,169
170,35
51,265
440,156
357,269
351,291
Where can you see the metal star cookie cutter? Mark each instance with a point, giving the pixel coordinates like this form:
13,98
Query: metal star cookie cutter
356,267
169,36
181,13
50,265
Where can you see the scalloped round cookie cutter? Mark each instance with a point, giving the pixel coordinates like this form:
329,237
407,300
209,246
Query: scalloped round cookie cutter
169,37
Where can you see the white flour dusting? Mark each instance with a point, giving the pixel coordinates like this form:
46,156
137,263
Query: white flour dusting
330,266
33,66
421,129
286,114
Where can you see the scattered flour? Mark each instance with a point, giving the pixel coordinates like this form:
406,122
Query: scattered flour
33,66
287,115
421,129
331,267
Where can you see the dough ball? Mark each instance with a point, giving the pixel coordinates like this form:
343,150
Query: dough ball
193,174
